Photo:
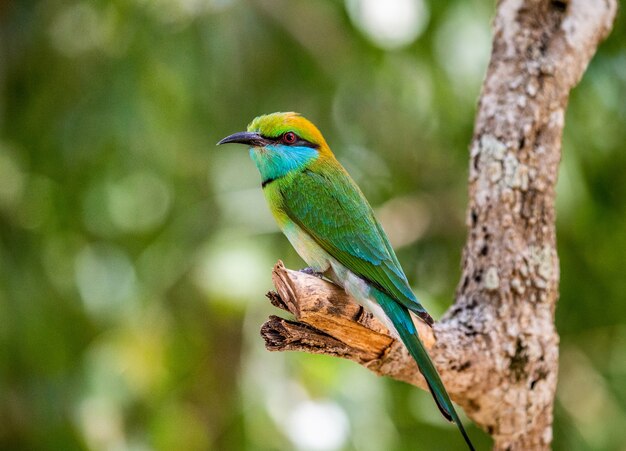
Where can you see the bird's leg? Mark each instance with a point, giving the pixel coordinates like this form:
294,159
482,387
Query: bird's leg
312,272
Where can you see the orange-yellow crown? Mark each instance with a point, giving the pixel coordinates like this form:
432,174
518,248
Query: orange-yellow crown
275,124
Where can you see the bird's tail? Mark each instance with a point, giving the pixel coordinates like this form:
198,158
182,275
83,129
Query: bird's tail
401,319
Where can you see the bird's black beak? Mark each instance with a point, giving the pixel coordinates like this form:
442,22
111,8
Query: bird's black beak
250,138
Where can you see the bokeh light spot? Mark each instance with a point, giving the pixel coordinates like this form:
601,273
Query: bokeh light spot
102,423
222,267
105,278
318,425
462,45
391,23
77,29
404,219
138,202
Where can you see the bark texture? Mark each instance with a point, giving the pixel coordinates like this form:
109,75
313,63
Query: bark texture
497,347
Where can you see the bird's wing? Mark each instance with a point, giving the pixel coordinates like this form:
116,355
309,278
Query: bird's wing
332,210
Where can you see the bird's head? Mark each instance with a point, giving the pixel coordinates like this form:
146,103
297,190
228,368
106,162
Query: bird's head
279,129
281,143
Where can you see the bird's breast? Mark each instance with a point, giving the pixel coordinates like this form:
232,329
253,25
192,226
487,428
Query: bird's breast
306,247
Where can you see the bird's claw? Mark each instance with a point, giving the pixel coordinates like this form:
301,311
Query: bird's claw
311,272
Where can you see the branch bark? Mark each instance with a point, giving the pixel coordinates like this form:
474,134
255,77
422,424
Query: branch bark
497,347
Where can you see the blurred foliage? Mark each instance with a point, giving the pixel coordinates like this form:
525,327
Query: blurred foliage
134,254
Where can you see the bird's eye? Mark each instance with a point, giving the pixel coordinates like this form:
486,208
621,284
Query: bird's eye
289,138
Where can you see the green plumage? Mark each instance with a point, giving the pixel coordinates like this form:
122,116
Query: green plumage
332,226
326,203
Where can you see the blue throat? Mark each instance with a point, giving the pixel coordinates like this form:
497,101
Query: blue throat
276,161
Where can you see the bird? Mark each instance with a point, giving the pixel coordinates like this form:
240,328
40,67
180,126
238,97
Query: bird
331,225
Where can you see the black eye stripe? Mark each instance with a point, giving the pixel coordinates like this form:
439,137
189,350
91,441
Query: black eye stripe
300,142
305,143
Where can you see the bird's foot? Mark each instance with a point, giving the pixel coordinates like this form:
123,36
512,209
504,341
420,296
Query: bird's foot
311,272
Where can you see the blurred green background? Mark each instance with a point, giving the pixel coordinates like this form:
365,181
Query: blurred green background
134,254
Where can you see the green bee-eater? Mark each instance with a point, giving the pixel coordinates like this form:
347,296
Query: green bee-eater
331,225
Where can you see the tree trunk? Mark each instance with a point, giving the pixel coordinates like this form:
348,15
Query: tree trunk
497,347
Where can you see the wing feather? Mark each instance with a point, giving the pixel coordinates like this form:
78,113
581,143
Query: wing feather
332,210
